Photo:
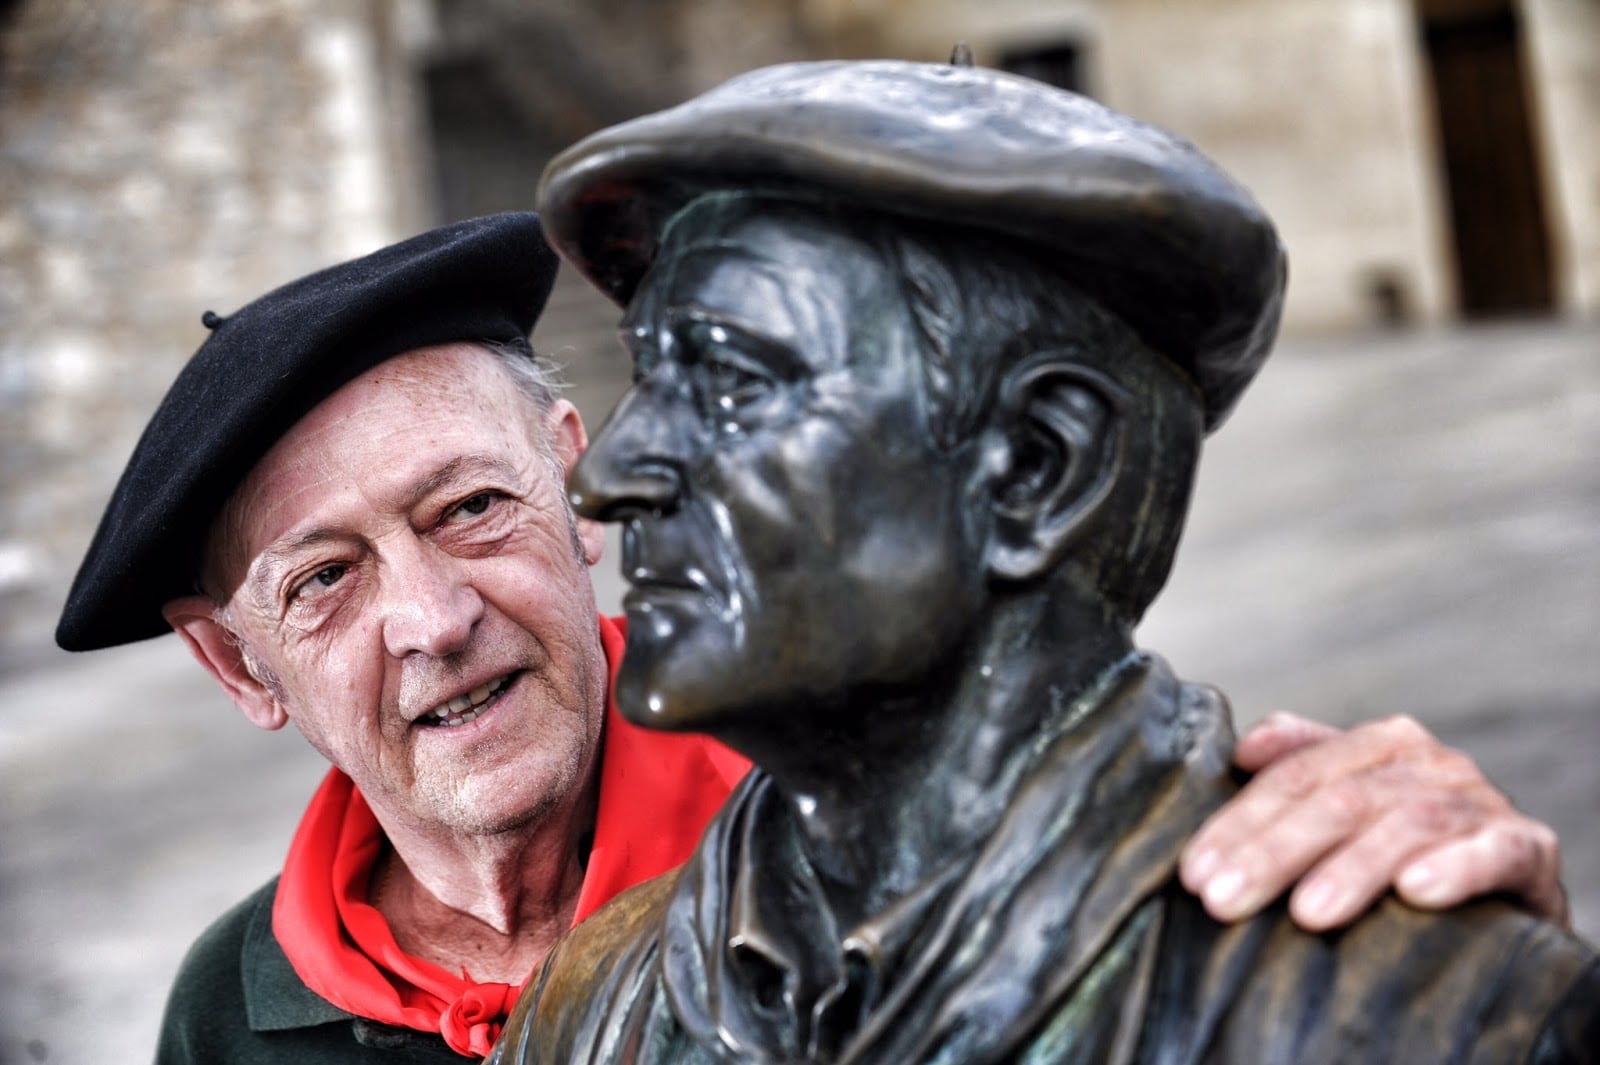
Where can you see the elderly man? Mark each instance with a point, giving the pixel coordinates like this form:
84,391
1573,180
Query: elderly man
350,507
924,356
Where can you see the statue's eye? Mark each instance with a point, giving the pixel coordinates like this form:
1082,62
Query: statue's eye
731,382
735,376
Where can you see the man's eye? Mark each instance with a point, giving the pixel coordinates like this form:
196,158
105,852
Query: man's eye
472,507
321,581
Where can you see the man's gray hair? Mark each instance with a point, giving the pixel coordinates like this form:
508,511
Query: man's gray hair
537,377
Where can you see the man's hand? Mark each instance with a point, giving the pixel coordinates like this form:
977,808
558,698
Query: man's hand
1384,804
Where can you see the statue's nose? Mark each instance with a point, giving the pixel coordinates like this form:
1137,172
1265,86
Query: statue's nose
636,461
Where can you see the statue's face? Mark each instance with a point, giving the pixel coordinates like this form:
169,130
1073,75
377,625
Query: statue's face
792,534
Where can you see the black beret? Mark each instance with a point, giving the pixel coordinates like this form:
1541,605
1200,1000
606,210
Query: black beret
1131,215
265,367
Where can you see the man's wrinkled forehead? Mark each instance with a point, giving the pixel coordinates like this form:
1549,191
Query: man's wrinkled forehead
465,370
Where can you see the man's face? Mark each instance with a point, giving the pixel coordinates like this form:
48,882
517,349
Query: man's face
791,533
403,552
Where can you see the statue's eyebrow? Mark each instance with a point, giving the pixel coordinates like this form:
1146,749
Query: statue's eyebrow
776,351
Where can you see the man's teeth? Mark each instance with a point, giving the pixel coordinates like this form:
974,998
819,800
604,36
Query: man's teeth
464,708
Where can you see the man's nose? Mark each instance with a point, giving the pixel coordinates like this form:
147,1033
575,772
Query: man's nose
637,461
429,604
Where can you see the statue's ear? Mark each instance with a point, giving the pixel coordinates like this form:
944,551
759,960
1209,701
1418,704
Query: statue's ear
1057,449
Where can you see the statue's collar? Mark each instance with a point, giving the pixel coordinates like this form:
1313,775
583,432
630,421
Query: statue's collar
1123,775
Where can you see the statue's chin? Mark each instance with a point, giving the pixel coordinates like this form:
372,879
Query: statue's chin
645,700
674,675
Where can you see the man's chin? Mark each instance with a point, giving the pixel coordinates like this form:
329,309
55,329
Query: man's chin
493,803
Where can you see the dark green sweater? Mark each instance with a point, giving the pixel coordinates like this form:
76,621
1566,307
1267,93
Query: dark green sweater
237,1001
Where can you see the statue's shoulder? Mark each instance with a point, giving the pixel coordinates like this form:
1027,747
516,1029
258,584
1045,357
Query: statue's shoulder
1479,984
615,928
598,973
1527,990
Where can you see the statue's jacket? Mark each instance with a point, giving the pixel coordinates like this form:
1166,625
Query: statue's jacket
1065,938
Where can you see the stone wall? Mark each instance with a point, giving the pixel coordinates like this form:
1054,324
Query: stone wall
1322,107
1314,105
159,158
1564,45
1319,108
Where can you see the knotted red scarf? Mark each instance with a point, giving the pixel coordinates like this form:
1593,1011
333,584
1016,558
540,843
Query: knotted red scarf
657,791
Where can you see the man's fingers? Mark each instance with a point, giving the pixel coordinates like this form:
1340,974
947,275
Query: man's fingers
1252,876
1515,854
1277,735
1355,836
1353,875
1229,862
1355,810
1254,848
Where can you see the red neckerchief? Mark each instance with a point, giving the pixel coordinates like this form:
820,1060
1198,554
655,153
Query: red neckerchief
657,791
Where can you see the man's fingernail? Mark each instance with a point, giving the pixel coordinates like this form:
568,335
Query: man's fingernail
1319,901
1421,883
1204,863
1224,889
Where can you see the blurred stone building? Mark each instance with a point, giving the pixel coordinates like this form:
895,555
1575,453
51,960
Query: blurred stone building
1425,159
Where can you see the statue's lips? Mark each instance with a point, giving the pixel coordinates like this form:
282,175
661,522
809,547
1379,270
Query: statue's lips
678,591
654,588
655,571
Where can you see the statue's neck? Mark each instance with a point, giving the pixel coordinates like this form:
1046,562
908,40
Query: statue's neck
891,787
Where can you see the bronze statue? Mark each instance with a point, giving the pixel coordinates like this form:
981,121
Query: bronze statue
924,359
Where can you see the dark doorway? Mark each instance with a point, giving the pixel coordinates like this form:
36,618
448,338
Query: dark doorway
1059,64
1502,246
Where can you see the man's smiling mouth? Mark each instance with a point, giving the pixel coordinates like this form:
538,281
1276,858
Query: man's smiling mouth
465,708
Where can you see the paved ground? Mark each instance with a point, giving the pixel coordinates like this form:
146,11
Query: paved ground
1388,524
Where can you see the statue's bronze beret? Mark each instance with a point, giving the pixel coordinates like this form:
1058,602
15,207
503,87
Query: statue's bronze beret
264,367
1133,216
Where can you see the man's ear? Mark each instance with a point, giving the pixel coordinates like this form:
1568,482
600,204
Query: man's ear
569,440
1058,451
194,617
